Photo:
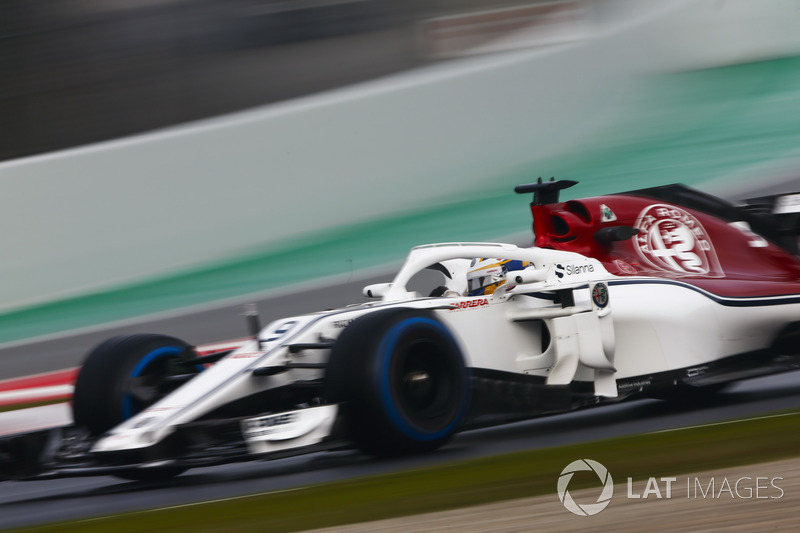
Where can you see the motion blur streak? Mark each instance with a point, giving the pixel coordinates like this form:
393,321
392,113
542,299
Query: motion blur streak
329,184
83,71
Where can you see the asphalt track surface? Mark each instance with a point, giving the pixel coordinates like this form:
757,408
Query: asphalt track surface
38,502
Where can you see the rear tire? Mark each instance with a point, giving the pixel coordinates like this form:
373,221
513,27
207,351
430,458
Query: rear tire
400,377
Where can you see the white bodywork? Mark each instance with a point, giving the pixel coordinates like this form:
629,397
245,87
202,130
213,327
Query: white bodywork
647,325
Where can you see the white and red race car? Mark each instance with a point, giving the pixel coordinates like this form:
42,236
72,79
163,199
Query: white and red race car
661,292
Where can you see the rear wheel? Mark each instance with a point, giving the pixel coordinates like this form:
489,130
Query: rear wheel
400,377
123,376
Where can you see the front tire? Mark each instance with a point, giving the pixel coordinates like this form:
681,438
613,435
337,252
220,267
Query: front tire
400,377
123,376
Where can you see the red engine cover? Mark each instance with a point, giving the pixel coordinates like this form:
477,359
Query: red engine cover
672,242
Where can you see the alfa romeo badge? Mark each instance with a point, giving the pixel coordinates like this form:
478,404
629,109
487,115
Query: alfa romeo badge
600,295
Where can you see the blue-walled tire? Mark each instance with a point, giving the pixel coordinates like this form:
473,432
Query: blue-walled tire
124,375
402,382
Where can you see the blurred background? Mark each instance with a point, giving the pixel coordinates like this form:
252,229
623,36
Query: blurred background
82,71
158,154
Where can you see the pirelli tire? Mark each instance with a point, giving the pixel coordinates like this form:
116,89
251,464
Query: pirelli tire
124,375
401,380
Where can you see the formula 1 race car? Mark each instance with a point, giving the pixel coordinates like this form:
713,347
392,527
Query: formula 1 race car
657,292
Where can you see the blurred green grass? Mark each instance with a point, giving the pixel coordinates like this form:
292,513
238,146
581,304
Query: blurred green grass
466,483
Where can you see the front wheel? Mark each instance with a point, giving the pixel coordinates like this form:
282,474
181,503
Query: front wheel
123,376
400,377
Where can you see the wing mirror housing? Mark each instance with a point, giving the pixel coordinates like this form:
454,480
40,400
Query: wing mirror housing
529,275
376,290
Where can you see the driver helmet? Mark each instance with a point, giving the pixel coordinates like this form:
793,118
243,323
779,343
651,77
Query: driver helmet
486,275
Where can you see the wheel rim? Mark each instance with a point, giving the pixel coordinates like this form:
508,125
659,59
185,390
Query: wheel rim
425,386
423,382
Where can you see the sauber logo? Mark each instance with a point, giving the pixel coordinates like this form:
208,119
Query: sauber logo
672,239
470,303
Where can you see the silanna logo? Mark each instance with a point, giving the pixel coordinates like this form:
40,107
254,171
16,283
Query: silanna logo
570,269
673,240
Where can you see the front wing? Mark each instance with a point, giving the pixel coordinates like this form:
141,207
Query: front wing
68,451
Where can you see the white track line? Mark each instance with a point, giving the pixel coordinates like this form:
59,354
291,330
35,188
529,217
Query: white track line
765,417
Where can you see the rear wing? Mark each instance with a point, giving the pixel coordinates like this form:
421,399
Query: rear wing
782,212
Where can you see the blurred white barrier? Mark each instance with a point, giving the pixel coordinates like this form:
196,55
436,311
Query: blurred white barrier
87,219
706,33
